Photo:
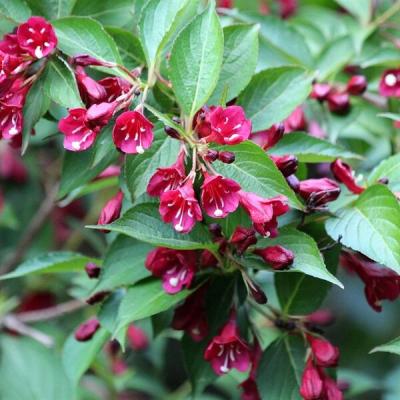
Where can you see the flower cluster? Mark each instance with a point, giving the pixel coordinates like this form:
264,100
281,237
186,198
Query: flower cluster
21,55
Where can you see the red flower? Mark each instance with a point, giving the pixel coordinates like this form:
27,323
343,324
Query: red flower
219,196
270,137
37,37
345,174
277,257
381,283
331,389
250,390
180,207
286,164
296,121
338,102
11,121
90,90
133,132
264,212
112,210
228,350
169,178
325,353
9,45
312,385
114,87
175,267
228,126
318,192
191,316
320,91
389,85
357,85
242,238
137,338
86,331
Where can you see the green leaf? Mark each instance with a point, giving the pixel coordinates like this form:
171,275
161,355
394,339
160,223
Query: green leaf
196,60
80,35
78,356
15,11
239,61
129,47
361,9
145,299
156,26
59,261
51,9
273,94
391,347
389,168
30,371
280,370
256,172
60,85
143,222
370,226
140,168
36,105
310,149
123,264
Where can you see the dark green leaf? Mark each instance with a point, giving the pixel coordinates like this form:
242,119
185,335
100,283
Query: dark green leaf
196,60
273,94
51,9
15,11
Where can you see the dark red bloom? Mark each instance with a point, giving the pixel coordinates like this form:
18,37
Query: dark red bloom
219,195
324,352
137,338
381,283
250,390
226,157
331,389
345,174
9,45
318,192
277,257
312,385
286,164
86,331
168,178
242,238
112,210
11,122
191,316
270,137
37,37
115,87
92,270
296,121
320,91
264,212
133,132
389,85
180,207
338,102
11,165
357,85
175,267
228,350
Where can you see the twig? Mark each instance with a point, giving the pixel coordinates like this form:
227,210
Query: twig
390,12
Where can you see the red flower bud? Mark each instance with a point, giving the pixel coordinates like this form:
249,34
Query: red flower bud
321,317
325,353
318,192
171,132
345,174
86,331
211,155
270,137
137,338
226,157
320,91
111,211
257,293
357,85
286,164
97,297
242,238
338,103
277,257
311,383
84,60
296,121
92,270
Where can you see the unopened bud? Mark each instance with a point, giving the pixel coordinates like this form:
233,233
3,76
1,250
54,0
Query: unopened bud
357,85
286,164
216,230
338,103
211,155
226,157
277,257
171,132
86,331
242,238
92,270
97,297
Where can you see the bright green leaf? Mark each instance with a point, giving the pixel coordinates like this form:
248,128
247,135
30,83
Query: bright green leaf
391,347
390,169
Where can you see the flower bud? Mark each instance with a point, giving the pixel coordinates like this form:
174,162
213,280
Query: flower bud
84,60
321,317
318,192
257,293
92,270
357,85
324,352
226,157
312,385
137,338
293,182
216,230
320,91
286,164
111,211
345,174
338,103
171,132
277,257
211,155
97,297
269,137
86,331
242,238
384,180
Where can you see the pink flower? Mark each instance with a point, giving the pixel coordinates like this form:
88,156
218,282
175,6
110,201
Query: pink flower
277,257
219,195
137,338
264,212
175,267
389,85
114,87
112,210
109,172
321,317
228,350
11,122
338,102
86,331
133,132
37,37
318,192
101,113
296,121
180,207
270,137
229,125
345,174
9,45
168,178
91,91
312,385
286,164
320,91
79,135
324,352
242,238
191,316
331,389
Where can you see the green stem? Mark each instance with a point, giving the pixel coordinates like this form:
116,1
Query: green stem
390,12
